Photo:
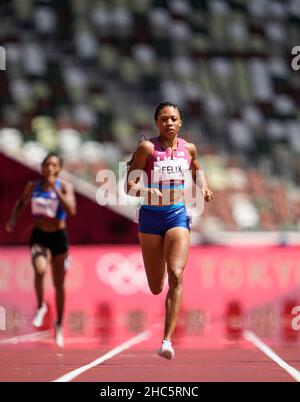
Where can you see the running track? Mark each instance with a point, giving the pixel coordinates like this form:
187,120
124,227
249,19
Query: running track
251,359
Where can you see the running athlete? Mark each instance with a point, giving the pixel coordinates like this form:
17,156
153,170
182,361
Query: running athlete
163,220
51,200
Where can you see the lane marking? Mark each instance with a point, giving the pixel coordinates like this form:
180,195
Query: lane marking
252,338
34,336
117,350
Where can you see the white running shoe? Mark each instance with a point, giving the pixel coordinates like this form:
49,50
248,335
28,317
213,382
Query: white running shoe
59,335
166,351
39,316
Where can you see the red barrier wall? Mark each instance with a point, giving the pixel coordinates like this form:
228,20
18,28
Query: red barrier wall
109,284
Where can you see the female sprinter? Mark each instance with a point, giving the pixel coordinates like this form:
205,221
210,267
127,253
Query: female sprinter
51,200
164,226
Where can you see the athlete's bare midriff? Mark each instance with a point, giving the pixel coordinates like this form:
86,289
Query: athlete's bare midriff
169,197
49,225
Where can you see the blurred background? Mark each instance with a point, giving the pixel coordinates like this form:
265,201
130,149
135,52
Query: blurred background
83,77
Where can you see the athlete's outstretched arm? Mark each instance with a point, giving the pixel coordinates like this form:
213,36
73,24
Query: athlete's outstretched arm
67,198
196,167
139,163
20,206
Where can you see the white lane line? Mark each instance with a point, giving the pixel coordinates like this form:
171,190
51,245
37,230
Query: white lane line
119,349
251,337
35,336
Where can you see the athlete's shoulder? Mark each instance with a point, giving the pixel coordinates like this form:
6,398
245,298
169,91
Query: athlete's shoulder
31,185
66,185
146,146
191,148
28,190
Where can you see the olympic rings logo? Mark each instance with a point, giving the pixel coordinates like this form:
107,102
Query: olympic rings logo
125,275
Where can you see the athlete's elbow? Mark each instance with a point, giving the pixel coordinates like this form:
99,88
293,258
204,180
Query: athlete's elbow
72,210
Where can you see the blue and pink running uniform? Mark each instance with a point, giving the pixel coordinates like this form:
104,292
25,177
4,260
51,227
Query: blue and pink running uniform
165,171
46,203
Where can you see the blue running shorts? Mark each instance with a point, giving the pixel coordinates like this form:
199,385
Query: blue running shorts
158,220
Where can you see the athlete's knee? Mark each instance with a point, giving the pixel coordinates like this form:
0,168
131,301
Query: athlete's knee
40,267
175,277
156,290
39,272
39,260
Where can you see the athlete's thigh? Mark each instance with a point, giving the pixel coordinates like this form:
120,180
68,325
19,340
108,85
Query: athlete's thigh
176,248
59,266
41,256
153,256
